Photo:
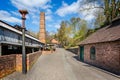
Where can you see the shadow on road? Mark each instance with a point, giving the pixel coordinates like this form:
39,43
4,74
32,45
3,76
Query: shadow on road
87,65
76,57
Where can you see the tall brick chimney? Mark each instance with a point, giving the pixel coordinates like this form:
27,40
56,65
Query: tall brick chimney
42,34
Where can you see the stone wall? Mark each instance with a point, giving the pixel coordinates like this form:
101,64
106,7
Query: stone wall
107,56
31,58
73,50
7,64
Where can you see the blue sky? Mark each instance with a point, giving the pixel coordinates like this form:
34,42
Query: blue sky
55,11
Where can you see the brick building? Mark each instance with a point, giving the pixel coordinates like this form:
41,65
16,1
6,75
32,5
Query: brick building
11,49
55,42
102,48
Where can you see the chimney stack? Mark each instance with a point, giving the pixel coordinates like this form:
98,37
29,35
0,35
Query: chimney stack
42,34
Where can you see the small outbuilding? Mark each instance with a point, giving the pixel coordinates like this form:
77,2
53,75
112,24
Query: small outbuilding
55,43
102,48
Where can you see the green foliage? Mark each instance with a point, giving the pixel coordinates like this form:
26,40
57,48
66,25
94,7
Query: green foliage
49,37
72,32
81,33
74,23
75,30
100,19
111,8
62,34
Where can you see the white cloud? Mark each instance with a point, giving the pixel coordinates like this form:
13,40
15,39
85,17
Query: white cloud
79,8
90,13
48,18
57,26
35,22
15,13
89,17
48,11
46,6
51,33
34,8
68,9
4,15
48,15
23,4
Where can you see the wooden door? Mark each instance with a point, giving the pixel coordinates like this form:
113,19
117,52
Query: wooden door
81,53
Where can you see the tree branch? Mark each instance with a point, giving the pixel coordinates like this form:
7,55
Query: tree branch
92,8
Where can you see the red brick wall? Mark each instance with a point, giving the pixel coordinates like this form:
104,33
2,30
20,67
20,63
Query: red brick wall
18,62
7,64
31,58
11,63
107,56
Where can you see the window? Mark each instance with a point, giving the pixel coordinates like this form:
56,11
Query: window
3,35
9,46
18,38
92,53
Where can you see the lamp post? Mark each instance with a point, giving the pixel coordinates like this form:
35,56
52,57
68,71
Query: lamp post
24,67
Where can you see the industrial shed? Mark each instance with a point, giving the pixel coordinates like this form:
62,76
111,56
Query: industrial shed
11,40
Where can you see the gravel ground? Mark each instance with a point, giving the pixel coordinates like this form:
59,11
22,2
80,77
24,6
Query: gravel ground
61,65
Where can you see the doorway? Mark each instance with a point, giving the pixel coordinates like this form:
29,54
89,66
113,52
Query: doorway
81,53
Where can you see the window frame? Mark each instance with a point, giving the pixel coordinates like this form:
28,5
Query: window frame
93,53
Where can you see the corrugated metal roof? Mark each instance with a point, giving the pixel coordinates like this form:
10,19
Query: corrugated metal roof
7,26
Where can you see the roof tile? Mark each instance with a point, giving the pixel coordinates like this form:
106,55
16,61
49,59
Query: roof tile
108,33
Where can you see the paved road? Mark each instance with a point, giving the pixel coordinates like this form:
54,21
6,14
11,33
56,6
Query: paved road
61,65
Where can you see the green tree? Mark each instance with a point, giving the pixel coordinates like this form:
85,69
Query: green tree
72,32
100,19
62,34
110,7
49,37
74,22
81,33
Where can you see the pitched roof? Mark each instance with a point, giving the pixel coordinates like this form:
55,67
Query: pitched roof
106,34
54,41
9,27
